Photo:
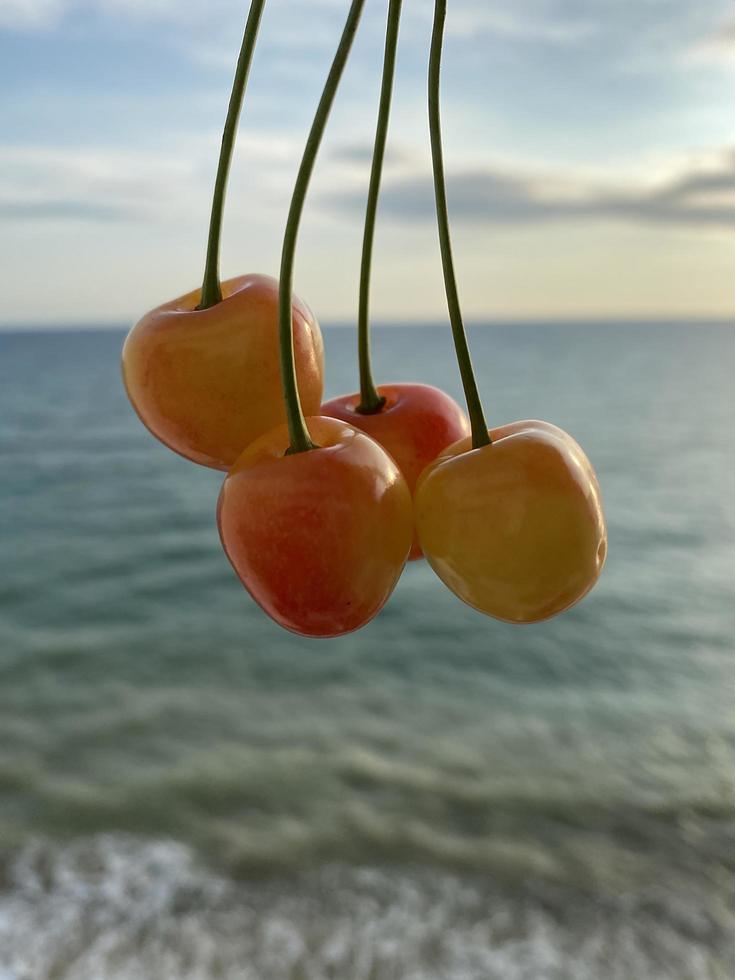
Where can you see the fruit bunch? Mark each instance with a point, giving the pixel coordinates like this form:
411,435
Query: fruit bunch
323,504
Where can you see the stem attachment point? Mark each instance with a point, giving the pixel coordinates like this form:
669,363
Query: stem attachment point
480,435
211,288
298,433
371,401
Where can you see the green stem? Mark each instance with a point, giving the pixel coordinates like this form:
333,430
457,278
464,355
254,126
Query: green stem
370,400
480,436
211,289
298,433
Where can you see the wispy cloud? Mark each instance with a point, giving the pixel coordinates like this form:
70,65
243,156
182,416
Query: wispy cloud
530,22
362,153
63,209
43,14
701,196
717,47
93,184
90,184
30,14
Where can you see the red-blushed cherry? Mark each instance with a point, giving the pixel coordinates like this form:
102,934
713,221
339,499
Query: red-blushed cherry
414,425
515,528
318,538
207,382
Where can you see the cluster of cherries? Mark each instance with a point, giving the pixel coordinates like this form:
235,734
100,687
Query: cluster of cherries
323,503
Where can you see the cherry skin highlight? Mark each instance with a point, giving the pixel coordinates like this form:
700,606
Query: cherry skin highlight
414,425
318,538
207,382
516,529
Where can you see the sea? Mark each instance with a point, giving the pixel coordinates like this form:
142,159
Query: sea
189,793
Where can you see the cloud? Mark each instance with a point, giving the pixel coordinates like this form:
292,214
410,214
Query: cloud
362,153
30,14
716,47
702,196
53,184
45,14
42,183
49,183
64,209
474,20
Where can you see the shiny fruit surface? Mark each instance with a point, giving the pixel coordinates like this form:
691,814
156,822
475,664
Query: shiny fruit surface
415,424
318,538
207,382
516,528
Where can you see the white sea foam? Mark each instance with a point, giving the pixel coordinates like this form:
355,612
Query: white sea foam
114,908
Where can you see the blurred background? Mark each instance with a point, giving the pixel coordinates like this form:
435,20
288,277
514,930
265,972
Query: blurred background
188,793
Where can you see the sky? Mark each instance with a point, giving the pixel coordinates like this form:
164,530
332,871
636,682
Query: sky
590,152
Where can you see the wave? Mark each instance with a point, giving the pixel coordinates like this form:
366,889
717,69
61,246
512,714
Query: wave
122,908
257,809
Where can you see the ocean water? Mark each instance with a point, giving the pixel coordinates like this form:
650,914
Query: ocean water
188,793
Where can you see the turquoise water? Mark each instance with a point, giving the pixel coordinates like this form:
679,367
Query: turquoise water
188,793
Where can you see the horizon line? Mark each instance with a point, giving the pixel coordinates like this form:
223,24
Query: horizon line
576,320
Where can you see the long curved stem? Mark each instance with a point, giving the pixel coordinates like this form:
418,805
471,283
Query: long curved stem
211,289
370,400
298,433
480,436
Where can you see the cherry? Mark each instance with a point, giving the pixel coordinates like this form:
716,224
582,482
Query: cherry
318,538
514,528
202,371
414,424
315,516
206,382
510,518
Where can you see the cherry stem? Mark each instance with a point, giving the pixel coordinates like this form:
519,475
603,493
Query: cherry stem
211,288
480,435
371,401
298,433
